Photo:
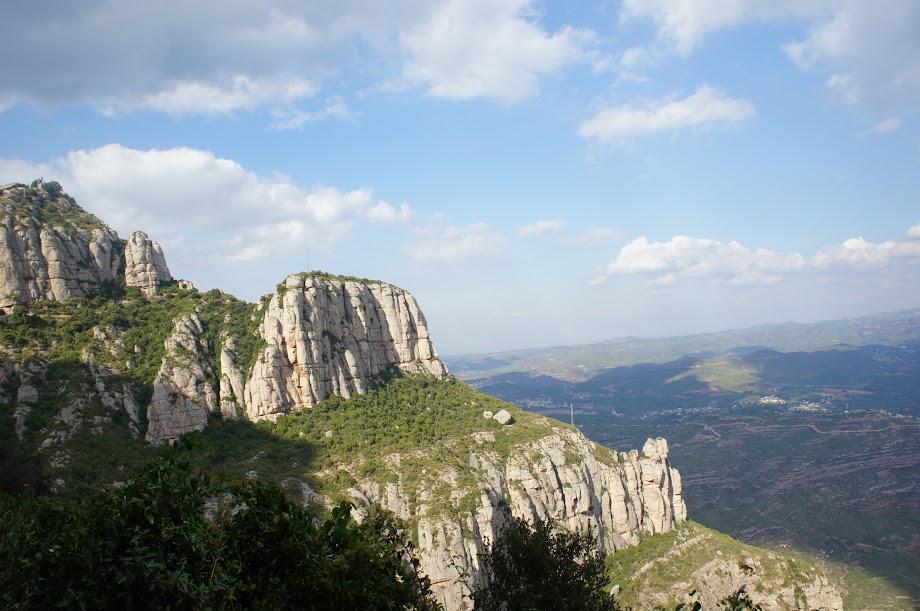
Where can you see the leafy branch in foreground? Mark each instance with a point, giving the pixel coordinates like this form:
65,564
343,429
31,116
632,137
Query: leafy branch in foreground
531,567
151,546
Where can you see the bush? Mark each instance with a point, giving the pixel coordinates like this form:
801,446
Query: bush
150,546
532,567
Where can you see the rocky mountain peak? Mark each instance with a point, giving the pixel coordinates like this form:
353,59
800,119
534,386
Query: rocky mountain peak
52,249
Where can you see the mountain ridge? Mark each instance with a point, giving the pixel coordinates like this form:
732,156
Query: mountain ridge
98,376
578,362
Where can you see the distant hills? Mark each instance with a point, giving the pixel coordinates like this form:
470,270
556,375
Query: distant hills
580,362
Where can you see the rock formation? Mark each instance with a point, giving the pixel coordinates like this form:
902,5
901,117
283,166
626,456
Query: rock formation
51,249
328,336
145,264
182,395
559,477
712,566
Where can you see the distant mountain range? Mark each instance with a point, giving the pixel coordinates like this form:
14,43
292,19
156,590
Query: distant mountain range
578,363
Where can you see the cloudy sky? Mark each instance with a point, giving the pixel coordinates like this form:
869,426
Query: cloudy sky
536,173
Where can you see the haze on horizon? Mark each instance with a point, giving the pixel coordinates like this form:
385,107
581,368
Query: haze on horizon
535,173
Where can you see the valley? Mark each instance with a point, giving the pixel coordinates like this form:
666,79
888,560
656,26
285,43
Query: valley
816,452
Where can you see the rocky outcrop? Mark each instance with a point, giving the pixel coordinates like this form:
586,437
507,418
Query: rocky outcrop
51,249
232,381
698,568
328,336
145,264
182,395
561,477
722,576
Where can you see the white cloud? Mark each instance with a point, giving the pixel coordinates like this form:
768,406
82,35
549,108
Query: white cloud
206,56
888,126
222,98
706,108
216,57
487,48
869,52
859,254
733,264
540,228
175,194
439,244
872,52
383,213
682,26
296,118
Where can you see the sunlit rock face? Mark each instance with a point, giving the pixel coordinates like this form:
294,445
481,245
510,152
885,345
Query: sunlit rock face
51,249
328,336
145,264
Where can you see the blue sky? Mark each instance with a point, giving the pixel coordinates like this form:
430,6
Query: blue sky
535,173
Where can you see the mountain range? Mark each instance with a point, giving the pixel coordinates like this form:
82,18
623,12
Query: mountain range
330,385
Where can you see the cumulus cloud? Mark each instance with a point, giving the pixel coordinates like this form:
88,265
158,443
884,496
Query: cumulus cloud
487,48
216,58
685,257
175,194
683,25
868,53
240,92
540,228
871,53
179,57
437,243
706,108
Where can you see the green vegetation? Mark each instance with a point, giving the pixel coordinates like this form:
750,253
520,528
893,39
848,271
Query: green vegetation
48,205
151,546
531,567
665,568
60,344
128,334
432,426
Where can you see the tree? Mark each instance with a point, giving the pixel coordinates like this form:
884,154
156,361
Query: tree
739,601
151,546
532,567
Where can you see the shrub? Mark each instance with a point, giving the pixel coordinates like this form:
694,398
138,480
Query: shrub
532,567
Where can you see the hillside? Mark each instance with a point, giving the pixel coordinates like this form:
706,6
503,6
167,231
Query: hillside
329,386
817,450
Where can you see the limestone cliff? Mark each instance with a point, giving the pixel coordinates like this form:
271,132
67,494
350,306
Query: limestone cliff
328,336
560,476
50,249
145,264
182,394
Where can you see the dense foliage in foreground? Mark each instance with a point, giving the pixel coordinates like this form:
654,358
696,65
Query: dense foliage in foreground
175,539
533,567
